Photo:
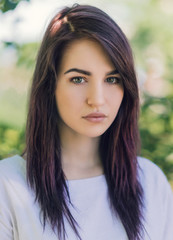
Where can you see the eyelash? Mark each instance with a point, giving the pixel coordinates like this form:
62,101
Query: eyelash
116,80
74,78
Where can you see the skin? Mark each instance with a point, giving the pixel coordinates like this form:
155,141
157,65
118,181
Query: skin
95,89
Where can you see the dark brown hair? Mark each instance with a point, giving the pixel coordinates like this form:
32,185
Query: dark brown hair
118,145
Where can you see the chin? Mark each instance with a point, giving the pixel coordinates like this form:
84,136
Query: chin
93,134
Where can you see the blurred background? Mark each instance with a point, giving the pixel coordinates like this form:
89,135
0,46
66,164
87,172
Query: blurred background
148,26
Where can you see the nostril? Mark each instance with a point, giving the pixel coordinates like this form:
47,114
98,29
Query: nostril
95,100
95,96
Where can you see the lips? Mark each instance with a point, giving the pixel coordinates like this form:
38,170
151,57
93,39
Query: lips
95,117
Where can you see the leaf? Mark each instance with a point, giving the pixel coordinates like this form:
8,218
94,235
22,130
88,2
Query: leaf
6,5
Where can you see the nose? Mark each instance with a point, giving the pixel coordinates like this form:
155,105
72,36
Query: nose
95,96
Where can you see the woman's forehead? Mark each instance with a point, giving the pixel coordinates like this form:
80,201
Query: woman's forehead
85,52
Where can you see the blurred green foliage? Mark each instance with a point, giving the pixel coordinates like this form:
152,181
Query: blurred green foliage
6,5
12,141
153,40
27,55
156,129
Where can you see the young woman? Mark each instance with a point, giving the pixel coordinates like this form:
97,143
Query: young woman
80,177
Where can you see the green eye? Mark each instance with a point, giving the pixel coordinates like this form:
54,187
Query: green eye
113,80
78,80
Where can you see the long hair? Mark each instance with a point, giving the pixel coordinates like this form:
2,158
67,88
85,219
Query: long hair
118,145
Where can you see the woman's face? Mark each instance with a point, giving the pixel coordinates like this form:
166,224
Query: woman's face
89,91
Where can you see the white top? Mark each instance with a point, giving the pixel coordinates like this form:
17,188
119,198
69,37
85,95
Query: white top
19,214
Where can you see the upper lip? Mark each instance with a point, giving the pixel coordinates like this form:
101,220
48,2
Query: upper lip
95,115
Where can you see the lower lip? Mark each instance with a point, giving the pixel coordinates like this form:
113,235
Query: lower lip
94,119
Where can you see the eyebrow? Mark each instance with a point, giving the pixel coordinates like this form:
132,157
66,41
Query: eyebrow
113,72
87,72
79,71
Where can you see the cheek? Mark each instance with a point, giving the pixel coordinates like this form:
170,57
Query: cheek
120,96
63,102
68,101
115,98
115,104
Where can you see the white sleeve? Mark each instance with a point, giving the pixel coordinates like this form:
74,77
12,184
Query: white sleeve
168,213
6,230
158,197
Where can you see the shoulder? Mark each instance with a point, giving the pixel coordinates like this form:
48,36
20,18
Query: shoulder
17,201
13,183
12,165
149,171
12,171
146,164
154,182
158,200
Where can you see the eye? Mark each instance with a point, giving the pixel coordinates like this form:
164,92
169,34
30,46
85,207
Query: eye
113,80
77,80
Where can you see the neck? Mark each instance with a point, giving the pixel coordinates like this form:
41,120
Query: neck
80,156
